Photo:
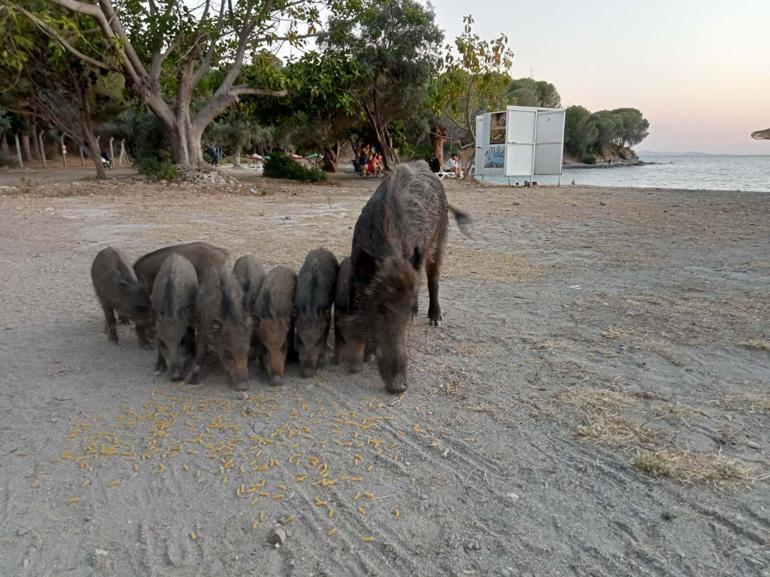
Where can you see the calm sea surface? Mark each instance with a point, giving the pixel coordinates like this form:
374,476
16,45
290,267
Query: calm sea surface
748,173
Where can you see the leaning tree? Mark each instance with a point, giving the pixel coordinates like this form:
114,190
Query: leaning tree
166,48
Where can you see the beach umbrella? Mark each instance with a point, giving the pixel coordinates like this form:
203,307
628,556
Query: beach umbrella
761,134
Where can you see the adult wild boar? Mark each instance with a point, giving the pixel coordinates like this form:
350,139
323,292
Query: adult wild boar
274,315
401,228
200,254
173,300
250,274
351,346
316,286
222,327
119,291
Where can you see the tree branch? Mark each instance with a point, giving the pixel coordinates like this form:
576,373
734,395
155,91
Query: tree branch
79,7
238,90
48,31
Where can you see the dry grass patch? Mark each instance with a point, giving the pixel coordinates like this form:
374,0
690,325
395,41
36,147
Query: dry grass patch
749,402
599,410
712,469
661,348
674,411
615,333
618,431
756,344
602,420
489,265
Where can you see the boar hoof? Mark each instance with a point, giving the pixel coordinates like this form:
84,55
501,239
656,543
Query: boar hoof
176,377
276,382
435,322
193,376
242,386
396,387
306,373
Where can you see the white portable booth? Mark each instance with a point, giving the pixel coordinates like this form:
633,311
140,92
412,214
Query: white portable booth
521,141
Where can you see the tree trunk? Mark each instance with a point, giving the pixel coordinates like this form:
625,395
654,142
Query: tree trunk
237,162
381,134
27,149
41,148
437,139
36,142
93,152
4,146
330,158
18,151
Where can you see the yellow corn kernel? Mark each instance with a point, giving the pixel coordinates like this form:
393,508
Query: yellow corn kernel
193,535
332,532
367,538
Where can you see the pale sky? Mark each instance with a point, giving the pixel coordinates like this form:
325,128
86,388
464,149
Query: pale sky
698,70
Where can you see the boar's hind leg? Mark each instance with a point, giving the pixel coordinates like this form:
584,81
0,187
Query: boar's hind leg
160,364
141,335
109,317
434,309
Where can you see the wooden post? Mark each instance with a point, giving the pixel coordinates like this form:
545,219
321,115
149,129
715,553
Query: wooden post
82,160
112,151
18,150
41,145
63,152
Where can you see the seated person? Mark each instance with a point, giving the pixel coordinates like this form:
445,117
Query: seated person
453,166
434,164
376,166
364,158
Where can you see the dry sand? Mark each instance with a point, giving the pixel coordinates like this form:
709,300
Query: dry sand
597,402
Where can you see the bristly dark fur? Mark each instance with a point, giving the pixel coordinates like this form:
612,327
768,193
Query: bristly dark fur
276,296
401,231
317,282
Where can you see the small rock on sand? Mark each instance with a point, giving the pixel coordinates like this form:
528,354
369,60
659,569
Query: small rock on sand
277,536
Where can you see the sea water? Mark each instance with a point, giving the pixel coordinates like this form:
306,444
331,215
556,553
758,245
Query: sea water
694,172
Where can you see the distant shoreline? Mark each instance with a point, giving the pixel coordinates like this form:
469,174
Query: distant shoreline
614,164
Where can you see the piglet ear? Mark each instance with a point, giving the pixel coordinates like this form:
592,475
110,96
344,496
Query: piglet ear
416,259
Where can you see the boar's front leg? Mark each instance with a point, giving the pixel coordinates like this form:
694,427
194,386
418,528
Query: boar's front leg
141,335
160,364
196,370
109,317
434,309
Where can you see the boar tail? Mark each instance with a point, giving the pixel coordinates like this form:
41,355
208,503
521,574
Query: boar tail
463,219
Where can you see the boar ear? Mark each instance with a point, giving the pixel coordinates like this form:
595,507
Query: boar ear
365,266
416,259
123,283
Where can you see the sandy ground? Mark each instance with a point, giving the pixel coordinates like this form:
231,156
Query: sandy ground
597,402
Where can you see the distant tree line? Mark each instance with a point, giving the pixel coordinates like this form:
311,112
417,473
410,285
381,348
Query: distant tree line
603,133
174,80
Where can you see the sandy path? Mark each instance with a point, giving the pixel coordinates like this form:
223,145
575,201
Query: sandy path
589,334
